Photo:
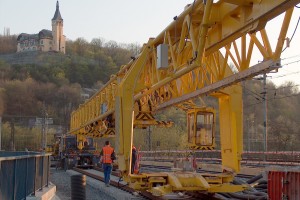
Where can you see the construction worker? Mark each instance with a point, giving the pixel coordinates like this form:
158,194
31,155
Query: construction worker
106,158
85,145
133,158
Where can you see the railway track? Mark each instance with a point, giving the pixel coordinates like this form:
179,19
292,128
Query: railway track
152,168
144,194
246,162
147,195
116,184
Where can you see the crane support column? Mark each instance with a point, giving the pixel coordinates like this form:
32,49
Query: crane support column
231,127
124,112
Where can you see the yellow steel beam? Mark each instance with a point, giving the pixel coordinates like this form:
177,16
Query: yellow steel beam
265,66
231,127
196,62
234,20
182,68
124,114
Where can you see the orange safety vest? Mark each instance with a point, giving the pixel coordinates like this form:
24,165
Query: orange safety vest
107,151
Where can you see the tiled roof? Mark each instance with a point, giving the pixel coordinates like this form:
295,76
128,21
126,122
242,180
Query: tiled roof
45,34
25,36
42,34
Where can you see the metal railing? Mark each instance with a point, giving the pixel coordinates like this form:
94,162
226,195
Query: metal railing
23,173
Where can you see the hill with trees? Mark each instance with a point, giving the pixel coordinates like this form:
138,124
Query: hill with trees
53,83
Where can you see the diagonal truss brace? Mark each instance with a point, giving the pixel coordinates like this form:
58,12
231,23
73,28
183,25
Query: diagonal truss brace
265,66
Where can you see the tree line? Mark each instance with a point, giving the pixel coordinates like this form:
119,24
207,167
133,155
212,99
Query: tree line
8,44
56,84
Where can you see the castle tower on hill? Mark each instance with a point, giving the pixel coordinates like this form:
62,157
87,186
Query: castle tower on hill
57,31
45,40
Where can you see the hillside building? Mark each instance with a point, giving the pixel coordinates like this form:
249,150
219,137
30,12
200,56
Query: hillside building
45,40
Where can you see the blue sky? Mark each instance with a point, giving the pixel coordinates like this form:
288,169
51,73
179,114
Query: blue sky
131,21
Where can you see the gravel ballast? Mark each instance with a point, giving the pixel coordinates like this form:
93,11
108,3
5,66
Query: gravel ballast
62,180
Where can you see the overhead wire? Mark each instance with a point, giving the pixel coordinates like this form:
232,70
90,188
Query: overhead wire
292,34
291,73
283,87
249,105
298,55
287,96
253,93
262,99
296,61
259,97
256,95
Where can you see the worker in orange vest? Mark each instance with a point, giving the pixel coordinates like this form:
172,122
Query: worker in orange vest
107,156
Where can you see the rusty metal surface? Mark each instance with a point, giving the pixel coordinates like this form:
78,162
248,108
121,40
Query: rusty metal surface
284,185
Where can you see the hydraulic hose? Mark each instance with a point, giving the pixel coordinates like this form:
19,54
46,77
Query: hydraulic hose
222,196
263,186
255,178
262,182
247,196
258,193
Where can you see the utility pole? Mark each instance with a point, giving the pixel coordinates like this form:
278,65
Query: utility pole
248,133
12,135
0,133
44,135
149,138
265,109
253,134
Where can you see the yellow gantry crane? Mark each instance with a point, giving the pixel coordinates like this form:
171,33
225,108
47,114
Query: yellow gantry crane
206,50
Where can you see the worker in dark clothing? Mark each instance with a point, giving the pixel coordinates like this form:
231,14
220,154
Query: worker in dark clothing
85,145
107,160
133,159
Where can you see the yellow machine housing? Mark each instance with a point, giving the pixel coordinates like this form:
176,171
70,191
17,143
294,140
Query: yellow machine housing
201,128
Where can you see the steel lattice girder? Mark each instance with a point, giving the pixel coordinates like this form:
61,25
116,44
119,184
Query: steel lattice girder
195,39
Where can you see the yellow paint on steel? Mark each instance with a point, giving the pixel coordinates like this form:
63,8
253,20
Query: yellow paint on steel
196,61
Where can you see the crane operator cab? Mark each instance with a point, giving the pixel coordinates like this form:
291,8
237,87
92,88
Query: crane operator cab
201,128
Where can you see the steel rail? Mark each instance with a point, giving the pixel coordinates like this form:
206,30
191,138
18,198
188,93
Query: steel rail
193,195
116,184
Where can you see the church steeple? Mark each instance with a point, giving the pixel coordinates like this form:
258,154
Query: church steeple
57,15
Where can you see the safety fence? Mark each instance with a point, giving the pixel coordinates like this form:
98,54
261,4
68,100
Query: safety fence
288,158
23,173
